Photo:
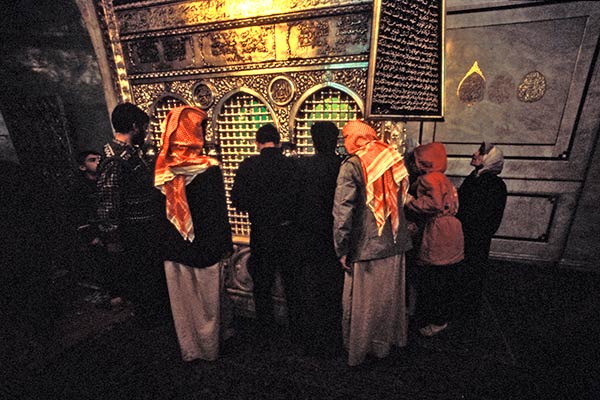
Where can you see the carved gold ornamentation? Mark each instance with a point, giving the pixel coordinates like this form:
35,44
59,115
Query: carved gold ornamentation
144,95
146,51
182,88
174,48
532,87
147,17
204,95
281,90
336,35
283,116
359,61
118,56
309,38
472,86
353,30
244,45
353,79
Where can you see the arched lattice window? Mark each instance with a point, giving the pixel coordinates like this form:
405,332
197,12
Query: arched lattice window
239,117
160,111
326,104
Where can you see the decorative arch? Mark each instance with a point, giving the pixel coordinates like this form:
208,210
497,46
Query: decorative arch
236,118
325,102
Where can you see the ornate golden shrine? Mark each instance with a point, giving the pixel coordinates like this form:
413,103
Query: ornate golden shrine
288,62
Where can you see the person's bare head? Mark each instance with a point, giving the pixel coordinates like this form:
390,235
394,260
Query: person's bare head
129,119
267,136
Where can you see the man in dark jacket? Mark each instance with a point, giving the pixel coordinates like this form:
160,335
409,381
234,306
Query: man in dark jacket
128,211
322,274
266,186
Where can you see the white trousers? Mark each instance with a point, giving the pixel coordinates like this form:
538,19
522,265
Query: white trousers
195,295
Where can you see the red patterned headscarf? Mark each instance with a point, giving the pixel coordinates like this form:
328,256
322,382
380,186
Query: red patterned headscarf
179,162
383,169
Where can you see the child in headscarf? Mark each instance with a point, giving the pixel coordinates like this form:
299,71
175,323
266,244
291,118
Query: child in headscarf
482,198
441,247
199,236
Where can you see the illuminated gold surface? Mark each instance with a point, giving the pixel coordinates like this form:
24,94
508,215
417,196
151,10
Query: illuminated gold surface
281,90
176,15
120,78
244,62
471,88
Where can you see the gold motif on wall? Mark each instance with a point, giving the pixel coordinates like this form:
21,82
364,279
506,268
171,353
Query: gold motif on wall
281,90
501,89
532,87
472,86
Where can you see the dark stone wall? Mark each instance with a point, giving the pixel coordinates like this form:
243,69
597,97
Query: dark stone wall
46,50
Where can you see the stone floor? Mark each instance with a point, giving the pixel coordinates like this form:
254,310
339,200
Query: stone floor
537,338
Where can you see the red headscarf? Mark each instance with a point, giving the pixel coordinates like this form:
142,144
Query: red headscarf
179,162
383,169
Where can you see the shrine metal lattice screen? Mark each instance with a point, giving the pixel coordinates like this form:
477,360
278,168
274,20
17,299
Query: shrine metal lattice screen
327,104
236,125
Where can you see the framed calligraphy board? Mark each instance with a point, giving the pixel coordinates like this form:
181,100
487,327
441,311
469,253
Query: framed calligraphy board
406,63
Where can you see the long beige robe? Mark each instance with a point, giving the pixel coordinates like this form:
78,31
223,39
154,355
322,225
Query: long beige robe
374,307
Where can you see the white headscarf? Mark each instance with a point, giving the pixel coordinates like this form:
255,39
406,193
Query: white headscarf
493,160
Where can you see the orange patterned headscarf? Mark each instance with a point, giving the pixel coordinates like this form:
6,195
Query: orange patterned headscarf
383,169
179,162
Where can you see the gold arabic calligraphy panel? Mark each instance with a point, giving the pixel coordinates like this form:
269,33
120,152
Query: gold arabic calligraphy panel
314,38
190,13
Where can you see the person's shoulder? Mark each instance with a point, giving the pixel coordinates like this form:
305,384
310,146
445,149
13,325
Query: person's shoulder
214,168
497,181
214,172
109,162
433,178
351,166
251,159
351,159
247,162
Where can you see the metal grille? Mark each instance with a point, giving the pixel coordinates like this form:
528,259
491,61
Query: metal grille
327,104
239,118
162,108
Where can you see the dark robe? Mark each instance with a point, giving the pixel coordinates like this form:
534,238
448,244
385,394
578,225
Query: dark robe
206,200
322,274
266,186
482,199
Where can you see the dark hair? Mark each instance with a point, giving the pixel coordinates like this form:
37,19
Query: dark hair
324,136
267,133
82,155
125,115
